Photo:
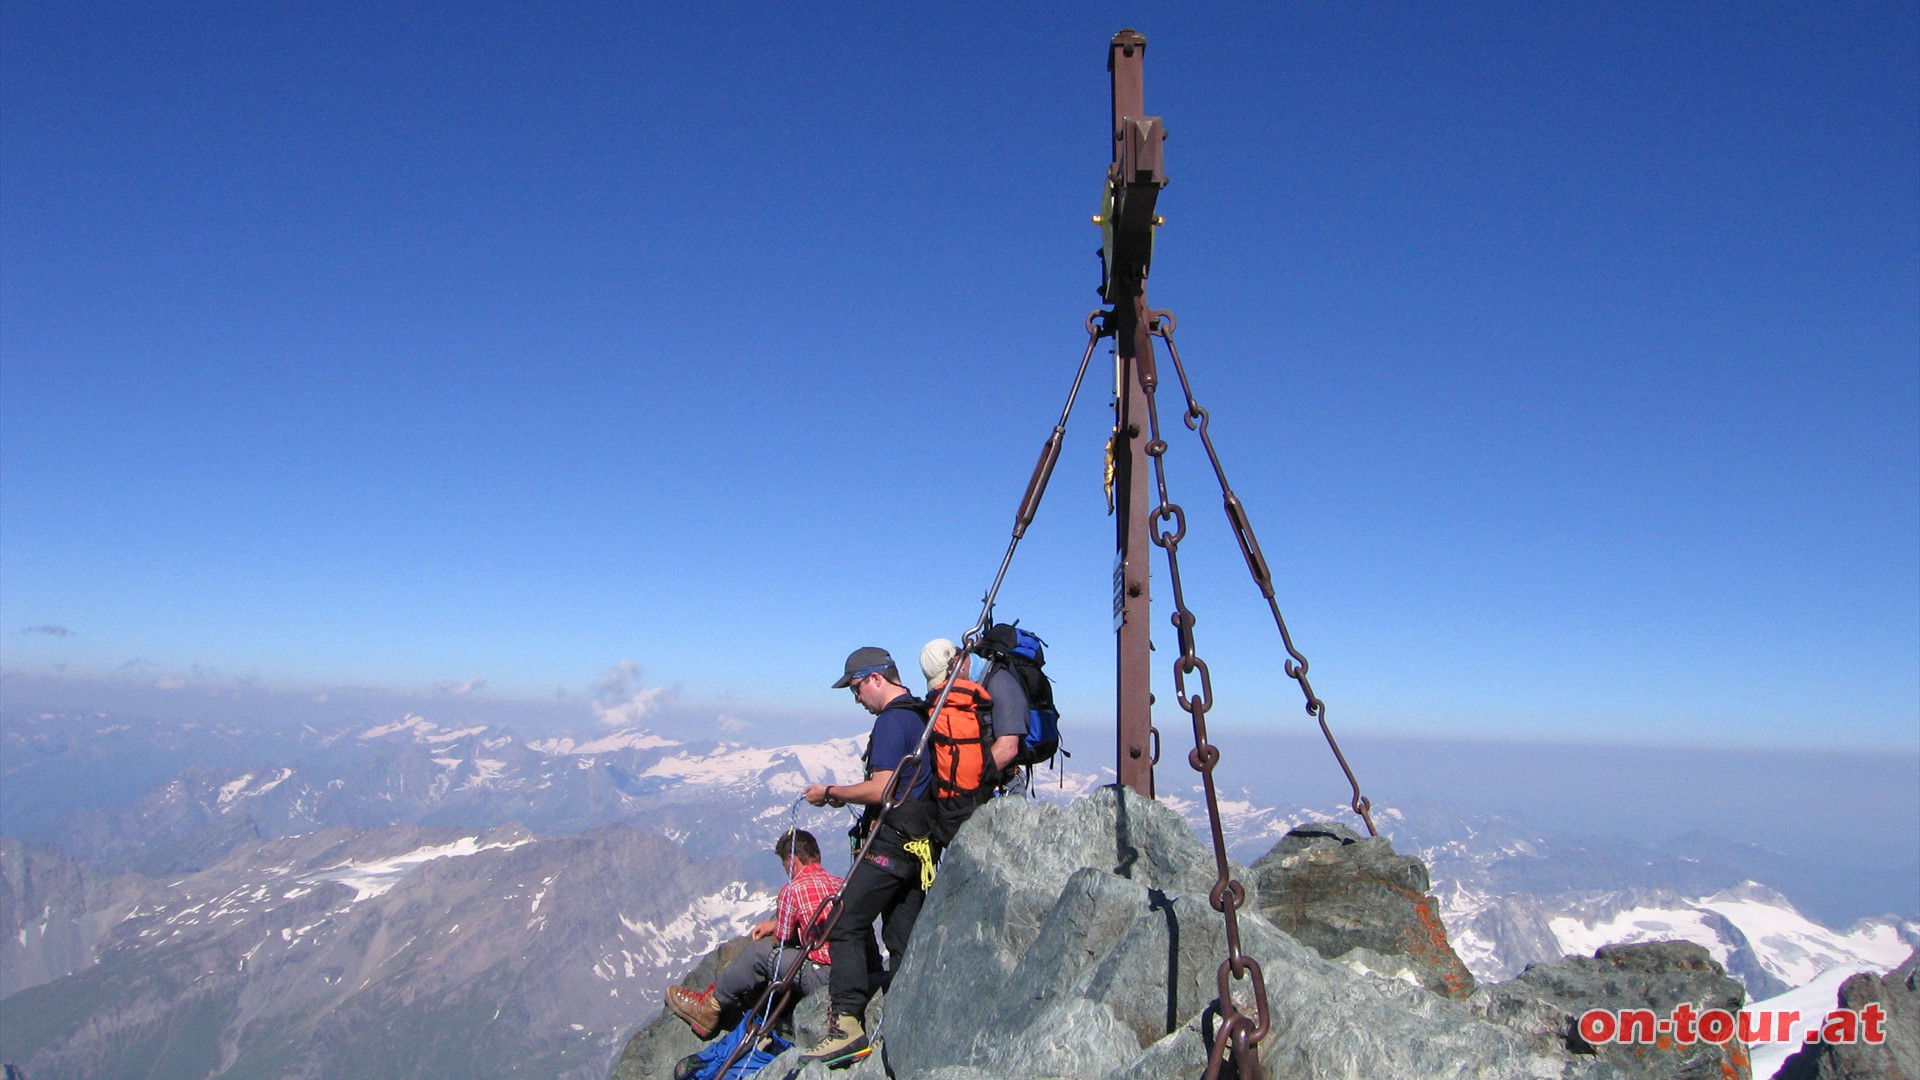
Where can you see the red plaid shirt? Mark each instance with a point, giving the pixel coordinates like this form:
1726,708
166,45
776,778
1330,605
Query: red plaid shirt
799,899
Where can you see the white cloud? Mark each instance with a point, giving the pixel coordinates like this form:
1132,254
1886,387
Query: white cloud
461,688
169,682
619,700
731,725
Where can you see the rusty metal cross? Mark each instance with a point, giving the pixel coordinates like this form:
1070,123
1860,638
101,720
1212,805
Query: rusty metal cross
1127,222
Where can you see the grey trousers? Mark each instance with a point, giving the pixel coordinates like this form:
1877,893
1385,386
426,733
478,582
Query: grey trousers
739,985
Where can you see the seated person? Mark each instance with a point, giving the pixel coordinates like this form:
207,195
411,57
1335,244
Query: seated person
740,984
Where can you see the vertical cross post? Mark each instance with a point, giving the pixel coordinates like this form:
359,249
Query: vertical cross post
1127,223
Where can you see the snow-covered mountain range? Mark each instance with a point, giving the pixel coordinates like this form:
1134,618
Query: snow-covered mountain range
394,878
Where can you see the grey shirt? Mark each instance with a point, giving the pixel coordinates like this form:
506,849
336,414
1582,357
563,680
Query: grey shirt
1009,717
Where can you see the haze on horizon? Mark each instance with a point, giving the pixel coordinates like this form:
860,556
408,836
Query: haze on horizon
1835,807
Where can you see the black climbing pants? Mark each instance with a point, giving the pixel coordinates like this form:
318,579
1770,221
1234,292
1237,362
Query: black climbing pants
888,891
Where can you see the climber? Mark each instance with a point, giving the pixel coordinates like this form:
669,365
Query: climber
936,660
808,884
1011,706
887,884
965,752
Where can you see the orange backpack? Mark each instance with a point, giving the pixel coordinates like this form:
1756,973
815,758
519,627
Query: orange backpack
961,764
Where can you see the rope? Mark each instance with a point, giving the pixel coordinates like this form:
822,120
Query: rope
922,849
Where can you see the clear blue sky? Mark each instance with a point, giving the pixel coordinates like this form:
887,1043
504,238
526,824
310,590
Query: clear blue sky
1567,356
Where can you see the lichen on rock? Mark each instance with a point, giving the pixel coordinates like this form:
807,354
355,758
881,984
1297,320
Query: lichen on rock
1351,898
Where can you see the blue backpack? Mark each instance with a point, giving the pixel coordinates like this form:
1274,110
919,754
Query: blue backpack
705,1065
1021,652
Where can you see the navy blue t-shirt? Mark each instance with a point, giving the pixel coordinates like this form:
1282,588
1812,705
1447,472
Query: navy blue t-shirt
896,732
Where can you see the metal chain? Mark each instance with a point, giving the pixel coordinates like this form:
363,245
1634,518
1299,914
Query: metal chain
1197,419
1237,1039
827,913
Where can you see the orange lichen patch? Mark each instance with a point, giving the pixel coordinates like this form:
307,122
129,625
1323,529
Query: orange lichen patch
1430,946
1734,1064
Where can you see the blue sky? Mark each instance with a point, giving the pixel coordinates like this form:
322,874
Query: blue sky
1567,357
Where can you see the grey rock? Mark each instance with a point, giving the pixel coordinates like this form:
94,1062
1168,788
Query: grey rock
55,914
1898,1058
1742,962
1546,1001
1349,896
1078,942
1517,930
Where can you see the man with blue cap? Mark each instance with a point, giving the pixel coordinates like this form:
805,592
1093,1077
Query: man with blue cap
887,884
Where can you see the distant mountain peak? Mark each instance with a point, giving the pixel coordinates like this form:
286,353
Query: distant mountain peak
1751,891
422,730
626,739
781,769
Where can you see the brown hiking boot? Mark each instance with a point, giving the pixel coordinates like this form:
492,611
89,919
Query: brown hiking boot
839,1047
700,1011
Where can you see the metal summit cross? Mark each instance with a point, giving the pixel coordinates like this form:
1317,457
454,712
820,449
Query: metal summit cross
1136,455
1144,516
1127,221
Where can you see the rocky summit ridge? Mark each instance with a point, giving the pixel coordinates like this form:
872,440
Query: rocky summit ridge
1078,942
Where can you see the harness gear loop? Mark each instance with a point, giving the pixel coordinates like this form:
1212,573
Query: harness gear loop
922,849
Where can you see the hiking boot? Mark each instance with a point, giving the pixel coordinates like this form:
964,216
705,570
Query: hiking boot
700,1011
844,1039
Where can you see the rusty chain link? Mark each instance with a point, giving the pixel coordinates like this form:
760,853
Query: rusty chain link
1162,324
1238,1037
